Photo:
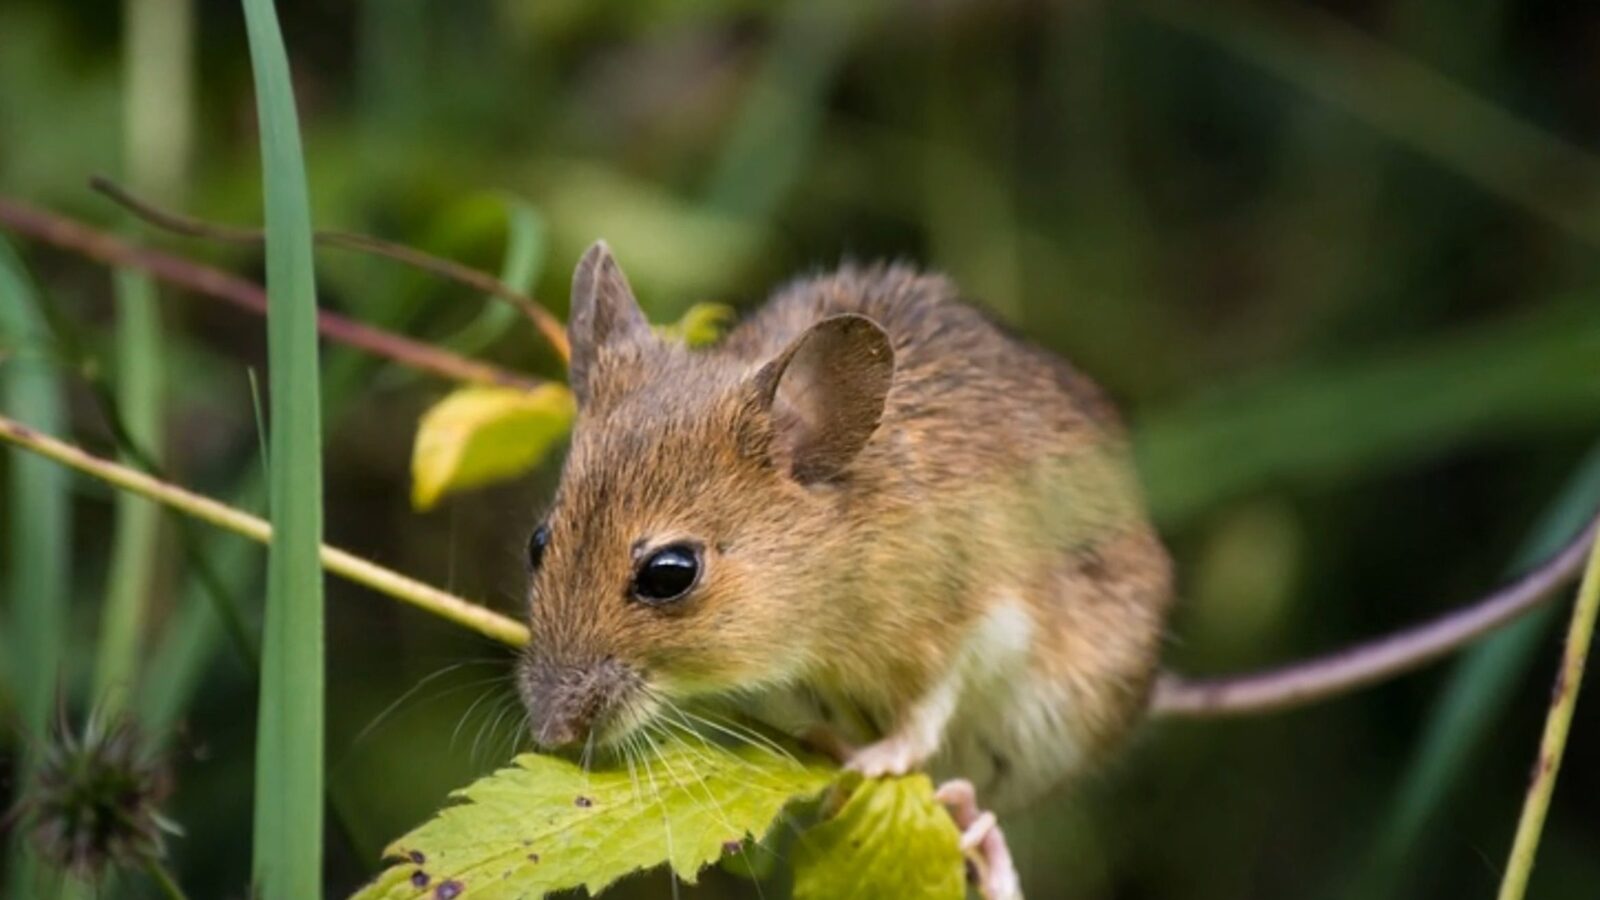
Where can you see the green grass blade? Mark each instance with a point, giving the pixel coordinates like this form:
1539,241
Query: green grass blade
288,791
781,116
1478,695
158,124
133,552
1334,62
37,577
1499,379
525,251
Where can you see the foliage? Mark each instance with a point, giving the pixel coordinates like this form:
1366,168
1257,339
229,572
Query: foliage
546,824
287,859
1331,263
890,839
701,324
480,435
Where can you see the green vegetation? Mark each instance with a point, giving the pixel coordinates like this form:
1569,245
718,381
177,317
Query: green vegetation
1337,268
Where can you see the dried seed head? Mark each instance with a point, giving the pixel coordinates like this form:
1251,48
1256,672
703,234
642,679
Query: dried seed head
93,803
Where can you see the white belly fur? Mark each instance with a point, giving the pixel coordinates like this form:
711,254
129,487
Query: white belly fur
1004,727
1011,733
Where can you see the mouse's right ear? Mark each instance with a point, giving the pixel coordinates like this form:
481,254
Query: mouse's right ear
604,317
823,396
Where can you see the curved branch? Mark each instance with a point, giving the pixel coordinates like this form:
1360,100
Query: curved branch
77,237
1324,677
548,325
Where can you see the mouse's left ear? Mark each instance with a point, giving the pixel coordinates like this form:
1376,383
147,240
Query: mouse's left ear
604,316
824,395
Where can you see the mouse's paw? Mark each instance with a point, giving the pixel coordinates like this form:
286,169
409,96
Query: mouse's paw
982,841
897,754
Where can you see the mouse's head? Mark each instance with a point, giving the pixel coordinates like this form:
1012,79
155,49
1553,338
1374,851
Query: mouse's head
703,506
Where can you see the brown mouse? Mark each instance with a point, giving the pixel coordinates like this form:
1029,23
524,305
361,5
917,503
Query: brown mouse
867,508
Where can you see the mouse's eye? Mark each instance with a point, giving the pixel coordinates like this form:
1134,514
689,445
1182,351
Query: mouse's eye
537,541
667,574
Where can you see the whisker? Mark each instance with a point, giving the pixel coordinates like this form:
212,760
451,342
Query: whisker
666,820
742,733
468,714
410,692
505,705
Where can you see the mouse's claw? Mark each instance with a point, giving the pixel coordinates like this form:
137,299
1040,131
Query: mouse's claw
982,841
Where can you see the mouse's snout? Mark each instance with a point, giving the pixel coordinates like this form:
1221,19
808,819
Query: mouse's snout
567,701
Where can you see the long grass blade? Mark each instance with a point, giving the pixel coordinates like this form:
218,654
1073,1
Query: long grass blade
36,569
131,577
158,125
288,796
525,252
1496,379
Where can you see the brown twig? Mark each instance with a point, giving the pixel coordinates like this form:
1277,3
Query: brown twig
1314,680
189,226
98,245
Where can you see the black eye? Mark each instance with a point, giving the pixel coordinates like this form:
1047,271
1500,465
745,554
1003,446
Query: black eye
667,574
537,541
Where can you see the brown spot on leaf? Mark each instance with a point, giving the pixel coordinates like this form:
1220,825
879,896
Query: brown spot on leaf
448,890
417,857
419,879
533,857
731,846
583,802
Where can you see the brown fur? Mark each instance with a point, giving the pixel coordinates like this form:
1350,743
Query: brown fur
852,542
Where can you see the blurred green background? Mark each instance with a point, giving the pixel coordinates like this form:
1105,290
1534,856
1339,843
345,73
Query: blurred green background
1337,261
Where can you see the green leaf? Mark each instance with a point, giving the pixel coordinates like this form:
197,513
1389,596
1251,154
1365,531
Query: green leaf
287,854
891,839
700,326
546,825
479,435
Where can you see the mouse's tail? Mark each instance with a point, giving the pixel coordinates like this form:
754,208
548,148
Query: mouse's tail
1320,678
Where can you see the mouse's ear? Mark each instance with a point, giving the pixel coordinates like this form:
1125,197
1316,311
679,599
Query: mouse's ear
604,314
824,395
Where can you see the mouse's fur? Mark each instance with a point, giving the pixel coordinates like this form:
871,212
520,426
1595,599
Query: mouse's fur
914,527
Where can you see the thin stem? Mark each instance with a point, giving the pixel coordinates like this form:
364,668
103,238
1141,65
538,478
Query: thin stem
98,245
1563,700
164,881
340,562
1312,681
190,226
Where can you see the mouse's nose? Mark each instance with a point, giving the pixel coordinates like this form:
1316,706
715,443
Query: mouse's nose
554,733
566,701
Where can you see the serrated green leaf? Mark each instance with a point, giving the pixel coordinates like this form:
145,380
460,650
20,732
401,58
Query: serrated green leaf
892,838
479,435
701,326
546,825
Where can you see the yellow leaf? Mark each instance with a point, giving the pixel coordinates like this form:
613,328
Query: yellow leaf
890,839
479,435
702,325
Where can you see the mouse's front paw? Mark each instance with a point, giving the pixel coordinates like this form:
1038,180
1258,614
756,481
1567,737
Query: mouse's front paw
894,755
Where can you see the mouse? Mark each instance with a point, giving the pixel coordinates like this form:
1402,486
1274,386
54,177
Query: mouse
869,516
